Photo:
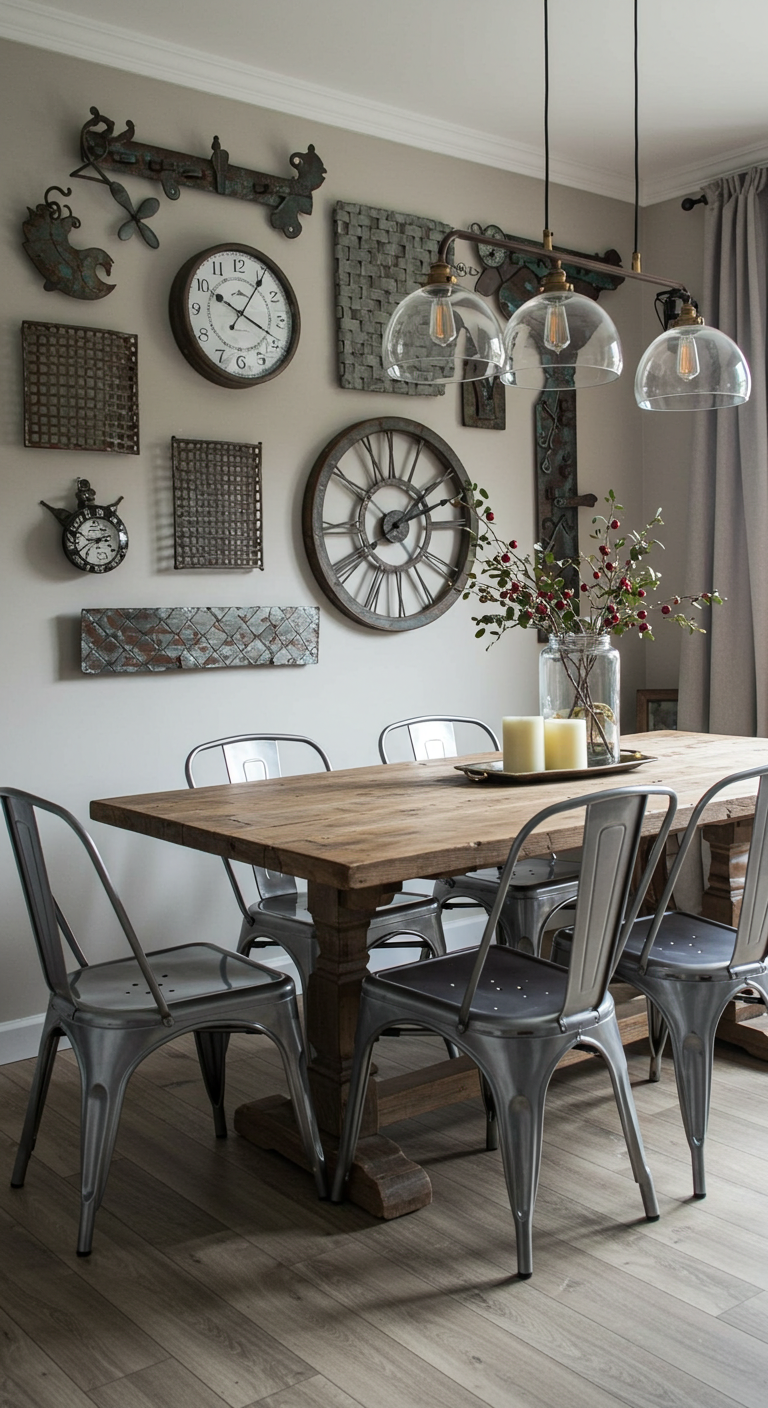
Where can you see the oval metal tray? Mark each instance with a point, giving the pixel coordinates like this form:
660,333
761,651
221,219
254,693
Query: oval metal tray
494,772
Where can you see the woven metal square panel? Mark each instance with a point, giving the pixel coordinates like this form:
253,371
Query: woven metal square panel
81,388
216,504
381,256
124,640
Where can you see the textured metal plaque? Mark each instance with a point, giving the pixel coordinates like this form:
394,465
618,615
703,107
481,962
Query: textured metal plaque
381,256
81,388
216,504
123,640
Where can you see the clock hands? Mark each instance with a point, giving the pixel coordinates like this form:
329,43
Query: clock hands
221,299
255,289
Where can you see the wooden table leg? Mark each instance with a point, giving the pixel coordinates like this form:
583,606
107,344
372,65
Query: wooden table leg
729,847
382,1180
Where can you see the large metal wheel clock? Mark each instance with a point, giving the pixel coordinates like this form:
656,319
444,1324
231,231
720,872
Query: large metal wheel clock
389,524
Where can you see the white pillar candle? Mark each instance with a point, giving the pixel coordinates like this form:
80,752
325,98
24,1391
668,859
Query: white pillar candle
523,740
565,743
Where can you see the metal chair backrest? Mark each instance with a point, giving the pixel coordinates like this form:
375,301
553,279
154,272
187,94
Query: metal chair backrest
604,913
48,922
751,936
254,757
433,736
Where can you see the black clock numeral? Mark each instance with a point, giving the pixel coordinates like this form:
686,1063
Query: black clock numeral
445,569
348,483
419,448
350,527
203,335
195,308
238,266
373,594
274,296
241,363
349,564
280,320
217,266
219,353
428,597
203,286
375,466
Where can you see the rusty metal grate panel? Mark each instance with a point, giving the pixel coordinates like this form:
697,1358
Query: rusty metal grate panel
81,388
381,255
216,504
123,640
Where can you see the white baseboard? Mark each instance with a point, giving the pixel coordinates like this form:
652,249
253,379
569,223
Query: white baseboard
20,1039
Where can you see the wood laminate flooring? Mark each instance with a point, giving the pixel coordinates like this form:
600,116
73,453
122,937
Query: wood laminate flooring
217,1278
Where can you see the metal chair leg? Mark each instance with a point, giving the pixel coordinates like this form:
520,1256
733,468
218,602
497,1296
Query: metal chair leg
212,1055
607,1039
46,1056
106,1063
657,1039
285,1031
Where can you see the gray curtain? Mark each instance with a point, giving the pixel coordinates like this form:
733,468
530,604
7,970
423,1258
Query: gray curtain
724,674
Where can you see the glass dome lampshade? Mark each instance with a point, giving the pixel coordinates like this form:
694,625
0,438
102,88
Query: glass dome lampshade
442,333
560,339
691,368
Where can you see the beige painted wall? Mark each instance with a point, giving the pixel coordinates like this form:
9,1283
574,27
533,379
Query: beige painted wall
75,738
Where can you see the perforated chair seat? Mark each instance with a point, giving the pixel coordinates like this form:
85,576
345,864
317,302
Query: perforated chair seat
685,946
540,987
187,976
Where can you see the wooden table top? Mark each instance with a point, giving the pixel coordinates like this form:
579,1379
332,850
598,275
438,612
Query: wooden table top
381,825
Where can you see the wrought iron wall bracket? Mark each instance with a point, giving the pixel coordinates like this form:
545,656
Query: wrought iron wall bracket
104,152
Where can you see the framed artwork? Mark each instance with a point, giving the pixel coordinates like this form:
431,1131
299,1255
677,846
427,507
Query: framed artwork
656,708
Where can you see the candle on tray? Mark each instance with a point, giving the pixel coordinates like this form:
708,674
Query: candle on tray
565,743
523,740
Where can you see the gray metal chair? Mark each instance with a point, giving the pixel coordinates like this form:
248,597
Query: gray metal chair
539,885
690,968
280,915
516,1014
116,1013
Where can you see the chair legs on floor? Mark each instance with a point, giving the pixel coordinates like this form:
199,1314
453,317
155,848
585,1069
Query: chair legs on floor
212,1055
657,1039
106,1064
46,1056
607,1041
285,1031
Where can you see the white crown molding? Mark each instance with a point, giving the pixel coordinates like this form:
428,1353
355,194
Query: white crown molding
44,27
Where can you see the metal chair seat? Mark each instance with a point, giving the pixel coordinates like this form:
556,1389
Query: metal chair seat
685,946
517,1015
539,989
116,1013
690,968
538,887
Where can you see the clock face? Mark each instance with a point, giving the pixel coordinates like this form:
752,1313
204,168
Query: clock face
234,316
95,539
389,524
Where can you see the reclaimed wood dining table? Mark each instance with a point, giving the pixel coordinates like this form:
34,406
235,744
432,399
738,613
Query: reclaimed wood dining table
355,836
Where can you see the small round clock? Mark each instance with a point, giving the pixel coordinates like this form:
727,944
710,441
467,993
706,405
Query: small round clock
95,539
389,524
234,316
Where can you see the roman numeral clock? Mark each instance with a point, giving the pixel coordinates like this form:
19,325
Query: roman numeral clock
389,524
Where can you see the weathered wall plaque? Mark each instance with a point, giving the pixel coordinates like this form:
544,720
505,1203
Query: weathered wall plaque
81,389
124,640
216,504
381,256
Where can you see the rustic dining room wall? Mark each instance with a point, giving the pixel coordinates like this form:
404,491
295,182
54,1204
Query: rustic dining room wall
73,737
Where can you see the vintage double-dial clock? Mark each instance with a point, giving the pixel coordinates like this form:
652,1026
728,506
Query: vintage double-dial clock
389,524
234,315
94,539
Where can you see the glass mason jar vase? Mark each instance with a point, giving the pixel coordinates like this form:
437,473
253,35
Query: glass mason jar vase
579,679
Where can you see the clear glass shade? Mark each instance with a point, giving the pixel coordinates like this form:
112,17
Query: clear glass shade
693,368
442,332
561,340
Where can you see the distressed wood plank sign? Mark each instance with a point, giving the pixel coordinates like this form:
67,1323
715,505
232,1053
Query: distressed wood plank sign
124,640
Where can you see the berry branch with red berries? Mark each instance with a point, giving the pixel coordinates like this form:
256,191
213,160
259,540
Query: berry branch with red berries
617,589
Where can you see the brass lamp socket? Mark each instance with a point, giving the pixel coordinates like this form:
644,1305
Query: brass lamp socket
688,318
555,281
440,274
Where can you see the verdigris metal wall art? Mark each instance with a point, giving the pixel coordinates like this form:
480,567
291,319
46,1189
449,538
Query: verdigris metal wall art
81,388
103,151
557,496
483,405
513,277
122,640
380,255
64,268
216,504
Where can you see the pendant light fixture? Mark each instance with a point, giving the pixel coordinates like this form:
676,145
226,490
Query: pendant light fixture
560,339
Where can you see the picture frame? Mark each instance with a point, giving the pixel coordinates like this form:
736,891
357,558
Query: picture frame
656,709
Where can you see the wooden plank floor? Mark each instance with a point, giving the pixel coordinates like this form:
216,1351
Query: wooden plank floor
218,1279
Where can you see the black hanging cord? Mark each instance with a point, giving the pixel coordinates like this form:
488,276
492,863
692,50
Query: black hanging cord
546,114
637,144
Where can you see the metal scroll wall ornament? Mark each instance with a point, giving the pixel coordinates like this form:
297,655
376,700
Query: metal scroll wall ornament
515,277
125,640
64,269
103,152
